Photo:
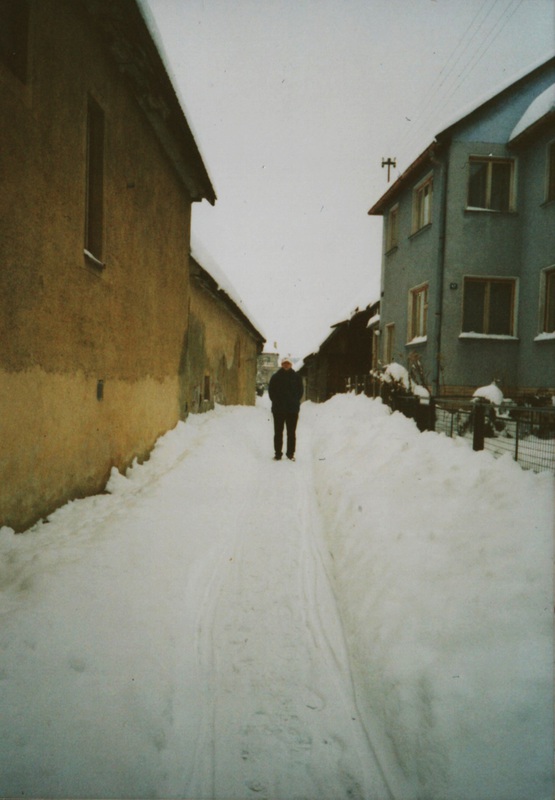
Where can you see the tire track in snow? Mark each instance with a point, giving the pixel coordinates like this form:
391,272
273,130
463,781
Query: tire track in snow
279,713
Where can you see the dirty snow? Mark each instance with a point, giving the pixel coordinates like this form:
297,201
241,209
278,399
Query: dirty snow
373,621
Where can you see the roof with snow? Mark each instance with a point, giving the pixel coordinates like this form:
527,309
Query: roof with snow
442,138
135,45
215,282
536,113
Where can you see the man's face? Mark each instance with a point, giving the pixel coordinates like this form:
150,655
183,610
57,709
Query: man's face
286,365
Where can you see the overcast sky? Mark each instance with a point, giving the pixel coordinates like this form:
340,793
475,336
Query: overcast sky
294,103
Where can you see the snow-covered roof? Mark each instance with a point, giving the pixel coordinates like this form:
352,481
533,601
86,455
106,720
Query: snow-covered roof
543,104
209,265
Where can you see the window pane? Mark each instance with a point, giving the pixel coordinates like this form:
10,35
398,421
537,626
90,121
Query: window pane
549,326
500,186
473,311
501,308
477,184
551,184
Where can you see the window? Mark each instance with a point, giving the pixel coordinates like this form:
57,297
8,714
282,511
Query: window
548,301
94,209
422,205
392,233
14,25
418,312
488,306
490,184
389,342
551,171
375,348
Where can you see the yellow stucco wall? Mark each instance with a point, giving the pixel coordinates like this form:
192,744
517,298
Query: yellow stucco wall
64,324
219,347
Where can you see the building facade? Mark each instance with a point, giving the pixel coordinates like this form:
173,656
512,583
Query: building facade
344,358
100,170
469,250
222,347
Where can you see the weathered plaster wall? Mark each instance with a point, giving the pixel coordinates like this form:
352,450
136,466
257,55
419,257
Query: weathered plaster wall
219,347
66,325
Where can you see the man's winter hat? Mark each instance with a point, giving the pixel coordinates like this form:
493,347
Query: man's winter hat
287,359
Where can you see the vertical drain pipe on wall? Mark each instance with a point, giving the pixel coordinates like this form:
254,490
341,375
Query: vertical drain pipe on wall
440,268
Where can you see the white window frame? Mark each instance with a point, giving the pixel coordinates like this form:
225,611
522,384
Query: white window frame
422,203
418,313
489,279
392,229
490,160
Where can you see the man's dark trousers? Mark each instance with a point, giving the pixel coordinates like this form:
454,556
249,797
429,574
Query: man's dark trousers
281,419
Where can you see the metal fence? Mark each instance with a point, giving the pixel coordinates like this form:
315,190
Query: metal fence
526,433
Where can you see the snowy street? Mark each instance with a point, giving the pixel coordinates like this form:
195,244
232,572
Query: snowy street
372,621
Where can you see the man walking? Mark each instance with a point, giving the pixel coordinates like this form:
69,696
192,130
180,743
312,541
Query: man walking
285,390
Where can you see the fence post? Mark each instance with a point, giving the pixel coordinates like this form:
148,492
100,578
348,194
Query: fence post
517,434
479,426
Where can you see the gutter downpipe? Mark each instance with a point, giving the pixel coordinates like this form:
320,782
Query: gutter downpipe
443,163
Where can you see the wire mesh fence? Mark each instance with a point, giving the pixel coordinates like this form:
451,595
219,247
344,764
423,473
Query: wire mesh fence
526,433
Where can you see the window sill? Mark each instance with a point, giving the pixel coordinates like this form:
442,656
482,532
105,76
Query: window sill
490,336
417,340
476,210
392,250
549,202
545,337
416,233
93,261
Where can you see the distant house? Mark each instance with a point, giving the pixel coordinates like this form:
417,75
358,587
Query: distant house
99,173
346,356
268,363
222,347
468,266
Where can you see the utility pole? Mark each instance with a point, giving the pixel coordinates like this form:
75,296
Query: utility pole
391,162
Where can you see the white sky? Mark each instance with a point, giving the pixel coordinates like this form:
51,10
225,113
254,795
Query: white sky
294,103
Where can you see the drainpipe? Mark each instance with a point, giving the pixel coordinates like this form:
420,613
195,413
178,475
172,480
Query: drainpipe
443,163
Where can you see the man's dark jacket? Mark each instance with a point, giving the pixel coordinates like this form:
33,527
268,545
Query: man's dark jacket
285,390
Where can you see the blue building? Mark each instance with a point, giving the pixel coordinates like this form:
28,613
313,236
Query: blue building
468,264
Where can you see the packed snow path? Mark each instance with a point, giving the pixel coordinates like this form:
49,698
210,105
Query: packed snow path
255,698
178,636
279,715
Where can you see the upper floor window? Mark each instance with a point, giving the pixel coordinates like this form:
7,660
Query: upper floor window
94,208
422,205
418,312
392,229
14,26
489,306
551,171
548,301
491,184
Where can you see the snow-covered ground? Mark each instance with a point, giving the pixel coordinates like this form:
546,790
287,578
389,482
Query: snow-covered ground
372,621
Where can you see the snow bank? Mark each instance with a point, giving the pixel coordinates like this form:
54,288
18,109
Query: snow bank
443,564
492,392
